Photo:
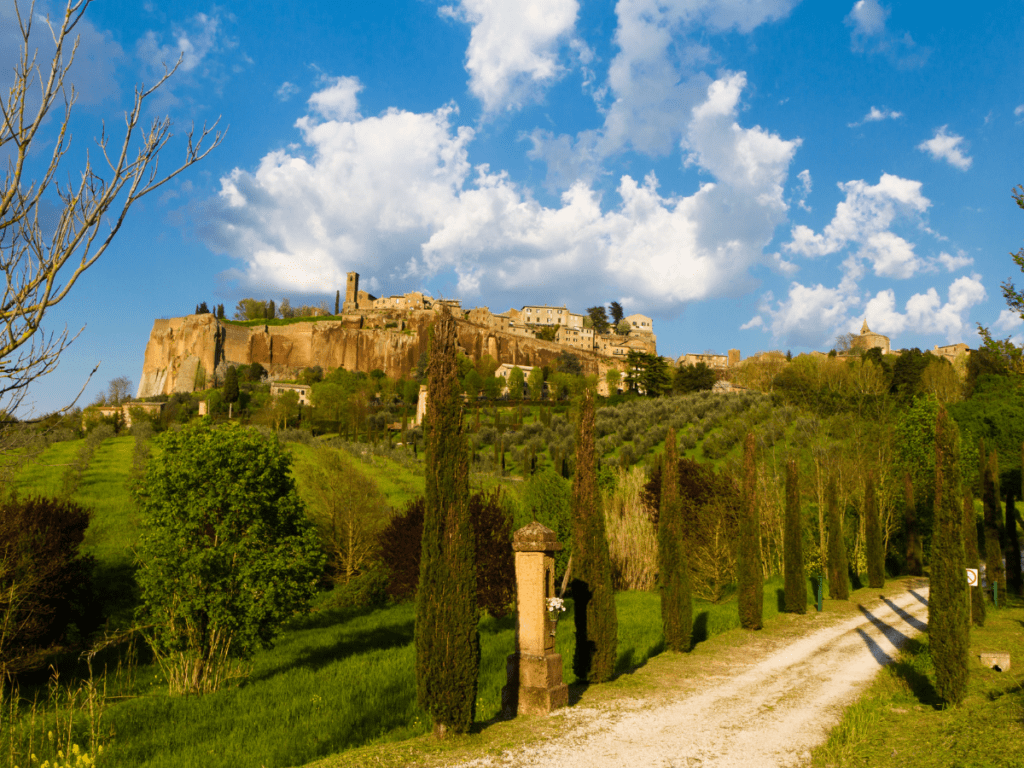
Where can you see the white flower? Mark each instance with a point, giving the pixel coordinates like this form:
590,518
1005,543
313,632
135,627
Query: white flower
555,604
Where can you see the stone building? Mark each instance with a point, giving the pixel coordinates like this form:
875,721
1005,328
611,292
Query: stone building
355,299
407,301
576,337
302,390
542,314
640,323
951,351
868,339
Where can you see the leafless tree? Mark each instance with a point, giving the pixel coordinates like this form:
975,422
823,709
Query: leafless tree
42,260
119,390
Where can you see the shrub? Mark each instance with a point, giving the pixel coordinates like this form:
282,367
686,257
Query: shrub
632,543
227,553
45,584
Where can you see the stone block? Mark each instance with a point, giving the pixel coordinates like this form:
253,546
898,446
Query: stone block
1000,662
540,671
542,701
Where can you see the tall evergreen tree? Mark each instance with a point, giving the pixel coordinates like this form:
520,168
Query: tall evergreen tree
592,593
337,301
838,581
230,390
915,562
793,544
447,641
995,574
271,310
948,616
971,554
673,566
749,577
873,536
1013,574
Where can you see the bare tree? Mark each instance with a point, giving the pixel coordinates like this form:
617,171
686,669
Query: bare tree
42,260
119,390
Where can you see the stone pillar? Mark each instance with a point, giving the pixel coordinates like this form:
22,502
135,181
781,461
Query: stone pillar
534,671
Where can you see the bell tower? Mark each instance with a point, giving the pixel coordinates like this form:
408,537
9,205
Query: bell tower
352,292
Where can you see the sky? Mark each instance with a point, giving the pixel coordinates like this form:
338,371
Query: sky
752,174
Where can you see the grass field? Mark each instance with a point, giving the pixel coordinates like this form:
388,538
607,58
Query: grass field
900,720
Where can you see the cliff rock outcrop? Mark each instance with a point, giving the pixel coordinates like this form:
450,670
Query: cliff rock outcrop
184,351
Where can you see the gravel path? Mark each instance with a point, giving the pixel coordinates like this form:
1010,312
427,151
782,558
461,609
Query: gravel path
769,713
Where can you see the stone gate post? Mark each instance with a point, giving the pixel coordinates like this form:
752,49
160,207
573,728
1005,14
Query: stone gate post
534,671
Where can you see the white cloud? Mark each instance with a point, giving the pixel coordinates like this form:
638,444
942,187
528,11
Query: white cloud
1007,321
805,180
513,51
868,21
875,115
339,100
286,91
864,219
654,81
953,263
755,322
813,316
395,196
948,147
192,47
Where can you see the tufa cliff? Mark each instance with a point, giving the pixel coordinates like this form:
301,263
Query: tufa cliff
183,351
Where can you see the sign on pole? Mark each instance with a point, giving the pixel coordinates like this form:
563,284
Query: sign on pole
972,577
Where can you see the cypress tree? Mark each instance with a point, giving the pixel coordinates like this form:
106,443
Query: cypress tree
915,564
750,579
1013,574
230,390
948,621
838,582
971,554
592,594
337,301
673,567
873,536
447,641
994,571
793,544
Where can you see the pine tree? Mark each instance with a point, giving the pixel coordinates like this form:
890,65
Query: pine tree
995,574
948,620
873,535
749,577
793,544
592,594
838,582
915,564
673,567
337,301
447,641
1013,574
971,554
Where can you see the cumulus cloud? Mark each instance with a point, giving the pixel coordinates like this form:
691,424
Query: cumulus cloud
513,51
875,115
953,263
948,147
654,81
867,20
1007,321
813,315
395,195
863,219
191,45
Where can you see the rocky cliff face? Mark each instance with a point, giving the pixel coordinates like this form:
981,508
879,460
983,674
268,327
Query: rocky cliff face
184,351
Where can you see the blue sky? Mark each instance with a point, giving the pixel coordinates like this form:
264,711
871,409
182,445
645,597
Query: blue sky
752,174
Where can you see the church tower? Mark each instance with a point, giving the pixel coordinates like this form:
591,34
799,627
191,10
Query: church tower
352,292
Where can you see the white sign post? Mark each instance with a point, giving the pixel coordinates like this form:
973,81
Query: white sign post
972,577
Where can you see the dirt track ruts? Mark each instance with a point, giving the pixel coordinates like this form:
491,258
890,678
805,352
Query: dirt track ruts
769,713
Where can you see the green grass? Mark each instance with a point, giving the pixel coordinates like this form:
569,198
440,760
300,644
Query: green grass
900,720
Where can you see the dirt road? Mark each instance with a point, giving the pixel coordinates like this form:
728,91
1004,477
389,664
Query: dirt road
771,712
